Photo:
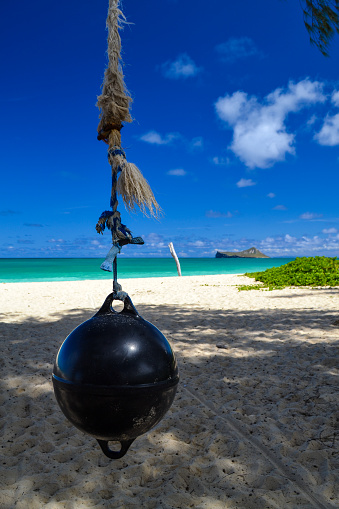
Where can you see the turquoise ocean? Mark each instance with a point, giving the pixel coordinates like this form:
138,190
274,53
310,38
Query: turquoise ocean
16,270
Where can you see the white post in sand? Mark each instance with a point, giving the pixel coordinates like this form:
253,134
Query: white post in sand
174,254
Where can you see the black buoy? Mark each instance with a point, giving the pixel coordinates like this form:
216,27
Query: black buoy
115,376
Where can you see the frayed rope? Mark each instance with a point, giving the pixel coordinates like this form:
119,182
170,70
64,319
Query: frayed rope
132,185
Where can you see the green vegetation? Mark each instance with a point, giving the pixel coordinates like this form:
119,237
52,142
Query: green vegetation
321,18
306,271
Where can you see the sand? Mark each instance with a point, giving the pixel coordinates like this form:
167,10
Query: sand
254,424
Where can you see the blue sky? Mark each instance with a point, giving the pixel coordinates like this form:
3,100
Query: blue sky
236,128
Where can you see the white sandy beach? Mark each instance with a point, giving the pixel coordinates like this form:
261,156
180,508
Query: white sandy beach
254,424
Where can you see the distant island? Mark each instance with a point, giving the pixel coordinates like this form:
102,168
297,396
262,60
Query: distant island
252,252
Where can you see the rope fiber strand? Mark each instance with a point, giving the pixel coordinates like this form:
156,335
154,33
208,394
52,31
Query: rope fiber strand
114,100
114,103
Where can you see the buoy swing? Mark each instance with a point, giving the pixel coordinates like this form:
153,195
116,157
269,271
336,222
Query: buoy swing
115,376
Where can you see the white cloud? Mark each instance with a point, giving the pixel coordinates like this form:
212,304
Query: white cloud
288,238
237,48
221,161
183,67
287,245
155,138
154,240
178,172
260,138
310,216
271,195
197,243
98,245
312,120
232,108
279,207
246,183
329,133
197,142
216,214
330,230
335,98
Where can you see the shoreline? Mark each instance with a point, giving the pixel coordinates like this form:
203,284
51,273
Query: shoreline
253,423
100,280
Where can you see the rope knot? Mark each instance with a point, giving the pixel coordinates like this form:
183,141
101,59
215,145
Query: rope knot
116,151
105,130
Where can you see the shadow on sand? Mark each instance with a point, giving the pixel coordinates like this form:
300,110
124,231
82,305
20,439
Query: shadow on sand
271,370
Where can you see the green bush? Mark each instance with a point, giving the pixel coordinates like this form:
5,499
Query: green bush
306,271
